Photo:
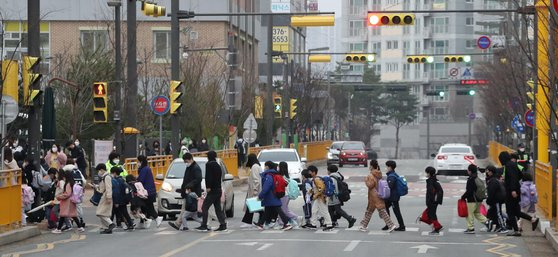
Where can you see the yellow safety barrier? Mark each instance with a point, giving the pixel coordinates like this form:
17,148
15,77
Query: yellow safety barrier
158,164
314,151
10,200
494,149
229,157
543,177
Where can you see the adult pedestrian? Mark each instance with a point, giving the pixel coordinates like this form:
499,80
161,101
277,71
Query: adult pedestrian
284,171
512,177
104,209
374,200
240,147
114,161
496,196
474,195
192,180
334,204
434,197
9,162
254,187
523,157
68,209
56,158
204,146
393,200
213,174
145,176
77,154
270,201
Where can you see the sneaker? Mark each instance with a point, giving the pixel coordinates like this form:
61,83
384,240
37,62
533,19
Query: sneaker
504,231
469,231
184,229
535,224
391,229
111,227
173,225
147,223
159,220
328,228
66,228
57,231
202,229
513,233
309,226
400,229
335,224
352,222
260,227
106,231
487,224
222,228
81,230
385,228
434,232
287,227
246,225
131,227
362,229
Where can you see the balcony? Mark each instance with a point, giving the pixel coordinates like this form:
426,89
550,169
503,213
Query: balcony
427,33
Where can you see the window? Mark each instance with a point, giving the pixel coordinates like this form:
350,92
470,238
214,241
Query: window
356,28
13,43
94,40
407,5
393,2
440,46
377,48
357,47
440,24
417,71
377,68
358,7
406,47
469,21
417,47
358,67
406,30
440,70
376,5
392,44
161,44
376,31
392,67
470,44
441,88
439,4
406,71
439,113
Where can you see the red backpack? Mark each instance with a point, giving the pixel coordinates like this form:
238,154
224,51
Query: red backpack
279,184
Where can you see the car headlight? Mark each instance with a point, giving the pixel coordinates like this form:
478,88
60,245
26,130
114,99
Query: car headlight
329,155
166,187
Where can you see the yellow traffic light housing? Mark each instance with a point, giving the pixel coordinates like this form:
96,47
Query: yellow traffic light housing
420,59
277,106
175,93
29,78
151,9
292,110
396,19
319,58
313,21
531,96
100,102
360,58
10,79
457,58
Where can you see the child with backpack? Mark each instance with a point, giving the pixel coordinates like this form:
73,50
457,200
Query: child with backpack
398,187
67,199
121,195
341,194
319,194
292,192
273,189
139,196
306,187
378,190
474,195
79,184
529,196
496,196
434,197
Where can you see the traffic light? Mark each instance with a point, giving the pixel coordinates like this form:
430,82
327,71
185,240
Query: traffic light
151,9
312,20
436,93
420,59
10,83
100,102
470,92
457,58
175,93
277,106
319,58
360,58
380,19
292,110
28,77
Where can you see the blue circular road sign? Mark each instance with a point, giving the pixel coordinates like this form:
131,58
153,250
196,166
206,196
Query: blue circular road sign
484,42
160,105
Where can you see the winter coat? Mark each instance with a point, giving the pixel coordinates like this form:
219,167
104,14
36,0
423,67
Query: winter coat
76,174
371,181
67,208
512,178
392,183
10,165
204,147
526,188
434,192
78,154
145,176
213,174
471,188
334,199
192,178
494,191
56,160
105,204
318,190
267,195
254,181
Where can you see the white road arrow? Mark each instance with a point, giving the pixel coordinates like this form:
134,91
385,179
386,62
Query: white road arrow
248,244
423,248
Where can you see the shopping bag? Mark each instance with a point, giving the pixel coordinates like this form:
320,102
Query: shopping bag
254,205
483,210
462,208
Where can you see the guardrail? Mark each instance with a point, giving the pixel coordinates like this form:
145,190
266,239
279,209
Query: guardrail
10,199
314,151
543,176
494,149
158,164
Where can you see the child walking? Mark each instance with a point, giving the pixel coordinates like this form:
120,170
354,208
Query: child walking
139,195
529,196
319,201
434,197
374,200
191,211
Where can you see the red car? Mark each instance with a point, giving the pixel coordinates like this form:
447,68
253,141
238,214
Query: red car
353,152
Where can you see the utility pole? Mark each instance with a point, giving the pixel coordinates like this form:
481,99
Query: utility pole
286,100
175,71
130,147
269,95
33,35
117,75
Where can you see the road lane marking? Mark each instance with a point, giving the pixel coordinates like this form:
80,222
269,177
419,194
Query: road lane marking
189,245
456,230
264,246
351,246
334,231
378,232
272,231
166,233
500,247
46,246
422,249
426,233
336,241
412,229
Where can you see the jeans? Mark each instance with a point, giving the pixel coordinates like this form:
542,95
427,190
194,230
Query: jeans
397,212
335,211
213,198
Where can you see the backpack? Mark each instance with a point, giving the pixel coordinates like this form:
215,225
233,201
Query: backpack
78,177
127,191
77,194
293,191
383,189
279,185
401,187
329,186
343,191
140,190
480,194
501,197
27,195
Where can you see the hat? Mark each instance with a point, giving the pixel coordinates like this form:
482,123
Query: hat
520,145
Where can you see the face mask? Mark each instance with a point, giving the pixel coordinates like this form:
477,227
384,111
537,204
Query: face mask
203,141
54,149
76,143
116,161
522,149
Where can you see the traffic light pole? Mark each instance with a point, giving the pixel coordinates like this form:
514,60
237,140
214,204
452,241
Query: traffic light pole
175,72
33,21
269,91
117,77
130,147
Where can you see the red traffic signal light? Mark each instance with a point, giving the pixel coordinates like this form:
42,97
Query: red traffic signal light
99,89
373,19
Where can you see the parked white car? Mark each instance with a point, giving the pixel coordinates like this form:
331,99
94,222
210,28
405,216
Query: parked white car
290,156
169,200
453,159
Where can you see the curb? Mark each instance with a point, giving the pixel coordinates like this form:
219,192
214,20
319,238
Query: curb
19,234
552,237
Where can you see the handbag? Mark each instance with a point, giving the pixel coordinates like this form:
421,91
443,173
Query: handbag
96,198
200,202
483,210
462,208
254,204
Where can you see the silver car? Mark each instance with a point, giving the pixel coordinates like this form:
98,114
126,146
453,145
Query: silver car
170,201
333,152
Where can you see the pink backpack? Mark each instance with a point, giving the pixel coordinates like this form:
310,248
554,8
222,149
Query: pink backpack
27,195
77,194
140,190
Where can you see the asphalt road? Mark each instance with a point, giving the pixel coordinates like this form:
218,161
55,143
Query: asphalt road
416,241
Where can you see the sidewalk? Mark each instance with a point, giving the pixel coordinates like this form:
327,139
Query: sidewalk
19,234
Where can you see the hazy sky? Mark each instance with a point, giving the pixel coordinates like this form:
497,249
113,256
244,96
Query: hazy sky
330,6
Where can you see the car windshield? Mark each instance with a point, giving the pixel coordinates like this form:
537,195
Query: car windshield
278,157
353,146
177,169
455,150
336,146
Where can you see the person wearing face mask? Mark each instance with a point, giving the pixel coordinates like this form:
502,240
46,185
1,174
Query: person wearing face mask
77,153
56,158
523,157
145,176
192,179
204,147
114,161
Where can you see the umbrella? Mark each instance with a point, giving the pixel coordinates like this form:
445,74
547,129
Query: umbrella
42,206
49,119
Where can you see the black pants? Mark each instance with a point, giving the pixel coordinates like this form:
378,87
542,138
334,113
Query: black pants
397,212
514,211
121,213
495,215
213,198
62,219
336,212
148,209
249,217
270,212
431,211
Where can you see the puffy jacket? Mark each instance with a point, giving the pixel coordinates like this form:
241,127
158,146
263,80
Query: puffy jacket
192,178
371,181
392,183
471,188
494,191
526,188
434,192
267,195
118,189
145,176
213,175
